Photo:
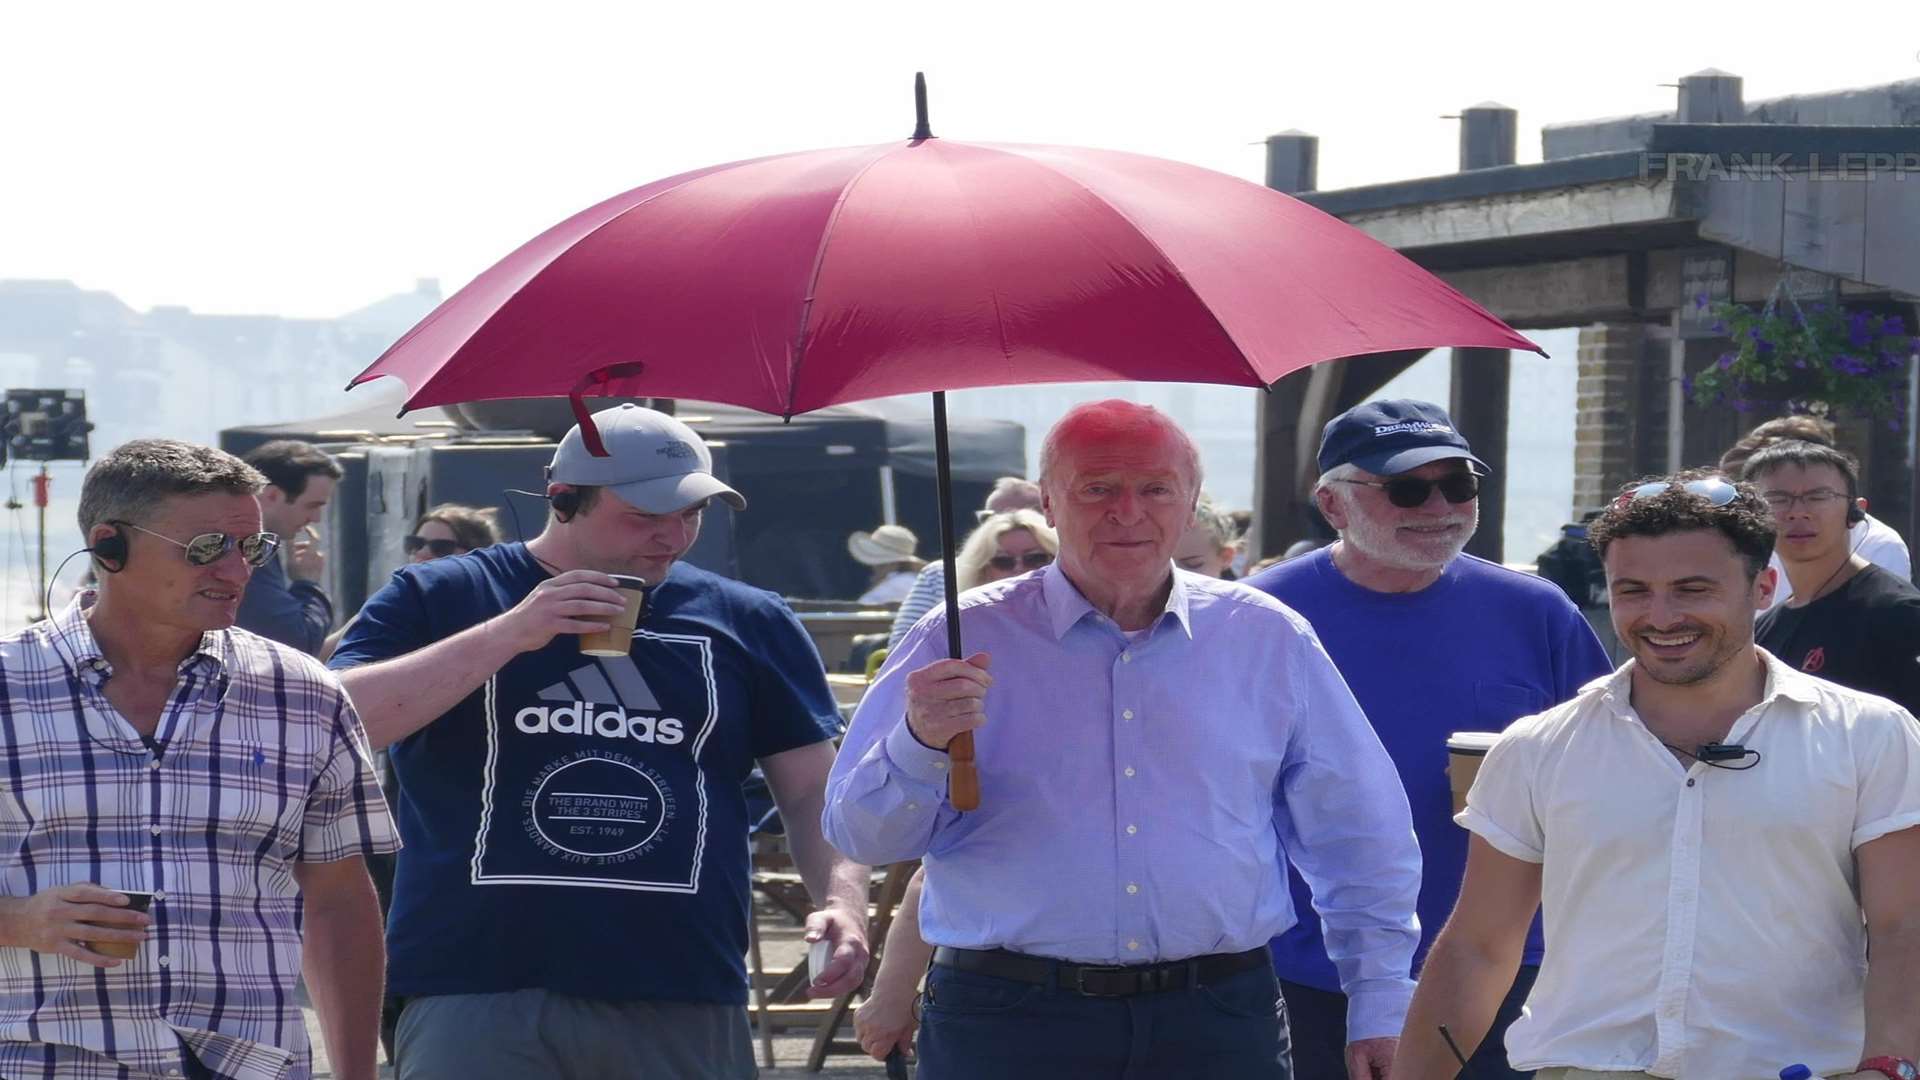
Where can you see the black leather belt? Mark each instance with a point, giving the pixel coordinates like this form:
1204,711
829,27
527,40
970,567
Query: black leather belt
1099,980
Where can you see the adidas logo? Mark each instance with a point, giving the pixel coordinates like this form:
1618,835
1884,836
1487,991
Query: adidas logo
614,679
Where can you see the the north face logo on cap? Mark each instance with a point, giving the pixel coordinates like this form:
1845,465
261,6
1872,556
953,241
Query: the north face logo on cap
676,449
1409,425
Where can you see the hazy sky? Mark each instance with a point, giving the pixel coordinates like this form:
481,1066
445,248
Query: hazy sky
308,159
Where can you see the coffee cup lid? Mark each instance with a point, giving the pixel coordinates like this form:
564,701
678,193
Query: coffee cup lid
1472,742
628,581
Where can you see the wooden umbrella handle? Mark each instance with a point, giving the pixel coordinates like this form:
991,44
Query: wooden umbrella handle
963,780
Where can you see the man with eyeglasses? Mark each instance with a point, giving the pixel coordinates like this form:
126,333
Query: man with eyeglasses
1713,836
1849,621
1432,642
152,750
284,600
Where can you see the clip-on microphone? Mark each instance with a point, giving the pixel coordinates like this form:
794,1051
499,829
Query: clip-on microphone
1713,751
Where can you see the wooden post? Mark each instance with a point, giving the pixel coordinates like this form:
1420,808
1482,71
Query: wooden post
1280,511
1482,377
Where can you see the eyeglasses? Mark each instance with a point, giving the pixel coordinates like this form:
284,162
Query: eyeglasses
209,548
1032,560
440,548
1407,492
1715,490
1783,502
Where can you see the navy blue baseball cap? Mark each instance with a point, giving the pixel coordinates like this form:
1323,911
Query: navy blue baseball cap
1387,438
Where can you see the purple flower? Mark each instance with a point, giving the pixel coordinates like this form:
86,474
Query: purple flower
1726,360
1686,385
1850,365
1742,405
1860,330
1699,301
1719,326
1894,326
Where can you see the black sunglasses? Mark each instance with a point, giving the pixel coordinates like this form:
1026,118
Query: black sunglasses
1032,560
1715,490
440,548
209,548
1407,492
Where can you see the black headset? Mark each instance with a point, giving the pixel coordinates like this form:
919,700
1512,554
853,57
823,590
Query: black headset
110,550
565,504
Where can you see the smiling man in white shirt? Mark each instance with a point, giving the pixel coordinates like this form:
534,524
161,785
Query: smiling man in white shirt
1712,836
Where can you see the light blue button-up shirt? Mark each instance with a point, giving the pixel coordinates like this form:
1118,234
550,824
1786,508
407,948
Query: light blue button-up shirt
1138,796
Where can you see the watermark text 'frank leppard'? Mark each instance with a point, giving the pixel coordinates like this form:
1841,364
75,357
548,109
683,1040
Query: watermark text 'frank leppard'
1792,168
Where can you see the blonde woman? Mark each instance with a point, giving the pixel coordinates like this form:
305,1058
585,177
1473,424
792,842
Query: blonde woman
1003,546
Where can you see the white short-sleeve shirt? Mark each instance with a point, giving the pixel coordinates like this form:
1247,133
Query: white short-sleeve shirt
1700,922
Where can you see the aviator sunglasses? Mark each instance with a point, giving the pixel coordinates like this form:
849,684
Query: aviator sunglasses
1715,490
1408,492
209,548
1032,560
440,548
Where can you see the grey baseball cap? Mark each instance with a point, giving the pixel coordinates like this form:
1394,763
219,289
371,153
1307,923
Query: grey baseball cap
653,461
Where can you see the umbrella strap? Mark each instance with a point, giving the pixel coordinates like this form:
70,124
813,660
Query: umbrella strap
589,433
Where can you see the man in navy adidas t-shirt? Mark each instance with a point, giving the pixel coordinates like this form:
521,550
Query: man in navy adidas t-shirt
1431,642
575,895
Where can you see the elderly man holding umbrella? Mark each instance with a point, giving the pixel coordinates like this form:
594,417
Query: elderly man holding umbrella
1144,736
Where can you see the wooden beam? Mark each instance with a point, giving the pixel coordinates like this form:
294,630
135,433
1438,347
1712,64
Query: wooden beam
1575,292
1481,378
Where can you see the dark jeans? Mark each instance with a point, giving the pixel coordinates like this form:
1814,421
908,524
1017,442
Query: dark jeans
1320,1032
978,1027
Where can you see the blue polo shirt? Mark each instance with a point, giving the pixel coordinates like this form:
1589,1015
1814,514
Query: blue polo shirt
577,823
1476,650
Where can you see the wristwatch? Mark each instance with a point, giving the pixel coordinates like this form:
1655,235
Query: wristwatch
1892,1067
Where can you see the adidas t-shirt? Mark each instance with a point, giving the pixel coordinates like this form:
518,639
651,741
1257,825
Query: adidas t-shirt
577,823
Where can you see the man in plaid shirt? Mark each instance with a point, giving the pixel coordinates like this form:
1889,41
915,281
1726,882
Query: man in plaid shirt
146,745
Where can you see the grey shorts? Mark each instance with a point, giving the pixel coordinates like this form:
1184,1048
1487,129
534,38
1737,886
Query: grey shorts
540,1035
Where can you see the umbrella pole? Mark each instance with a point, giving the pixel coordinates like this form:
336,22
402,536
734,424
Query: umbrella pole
963,785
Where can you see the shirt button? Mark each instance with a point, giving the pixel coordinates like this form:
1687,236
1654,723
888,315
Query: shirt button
1129,770
164,961
1133,946
939,764
1689,782
1126,658
1126,714
154,764
1132,888
913,806
155,830
1131,829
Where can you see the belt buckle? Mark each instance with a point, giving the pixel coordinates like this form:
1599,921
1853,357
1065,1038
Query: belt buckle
1080,980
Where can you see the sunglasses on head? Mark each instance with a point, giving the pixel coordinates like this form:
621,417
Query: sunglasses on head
1407,492
1717,491
209,548
440,548
1032,560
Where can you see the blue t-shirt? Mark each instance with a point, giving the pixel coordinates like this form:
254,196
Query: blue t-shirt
1475,651
577,824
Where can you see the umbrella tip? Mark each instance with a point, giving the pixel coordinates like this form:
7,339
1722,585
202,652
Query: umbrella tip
920,129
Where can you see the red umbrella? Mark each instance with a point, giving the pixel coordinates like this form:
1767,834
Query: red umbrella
793,282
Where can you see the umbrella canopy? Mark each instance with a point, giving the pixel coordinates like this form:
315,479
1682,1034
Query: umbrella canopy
794,282
788,283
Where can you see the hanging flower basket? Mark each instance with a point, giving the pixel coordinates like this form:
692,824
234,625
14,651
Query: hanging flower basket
1821,359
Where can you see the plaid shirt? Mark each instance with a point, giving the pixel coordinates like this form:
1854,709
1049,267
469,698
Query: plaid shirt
262,764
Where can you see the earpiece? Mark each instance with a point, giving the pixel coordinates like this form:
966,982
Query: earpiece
110,552
1855,515
565,504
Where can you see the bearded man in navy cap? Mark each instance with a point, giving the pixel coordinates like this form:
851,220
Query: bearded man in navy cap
575,899
1432,642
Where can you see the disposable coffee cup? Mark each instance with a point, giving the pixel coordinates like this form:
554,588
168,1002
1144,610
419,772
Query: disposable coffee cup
1464,751
123,950
617,639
